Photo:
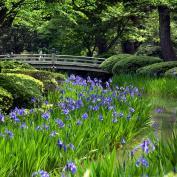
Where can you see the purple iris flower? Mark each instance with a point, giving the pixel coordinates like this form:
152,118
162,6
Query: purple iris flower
9,133
60,123
1,117
40,173
53,133
66,111
101,117
132,110
70,166
72,146
60,144
142,161
46,115
85,116
13,116
23,125
78,122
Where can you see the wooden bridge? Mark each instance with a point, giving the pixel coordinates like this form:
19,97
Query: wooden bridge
61,62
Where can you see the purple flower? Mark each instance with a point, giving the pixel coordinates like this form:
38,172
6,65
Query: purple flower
53,133
132,110
23,125
1,117
146,145
70,166
95,108
13,116
121,114
66,111
101,117
159,110
85,116
78,122
46,115
9,133
60,123
33,100
40,173
72,146
128,117
114,120
60,143
142,161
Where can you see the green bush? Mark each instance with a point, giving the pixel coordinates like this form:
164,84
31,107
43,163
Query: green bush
45,76
131,64
22,87
171,72
149,50
157,69
6,100
109,63
14,65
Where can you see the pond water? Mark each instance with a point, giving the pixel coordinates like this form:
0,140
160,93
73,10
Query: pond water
164,115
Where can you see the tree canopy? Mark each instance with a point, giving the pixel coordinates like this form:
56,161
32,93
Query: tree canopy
88,27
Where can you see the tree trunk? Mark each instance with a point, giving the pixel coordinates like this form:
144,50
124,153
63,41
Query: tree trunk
165,34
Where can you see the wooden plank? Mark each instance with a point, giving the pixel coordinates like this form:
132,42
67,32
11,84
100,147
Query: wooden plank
72,68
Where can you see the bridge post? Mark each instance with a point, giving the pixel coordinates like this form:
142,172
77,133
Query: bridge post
53,58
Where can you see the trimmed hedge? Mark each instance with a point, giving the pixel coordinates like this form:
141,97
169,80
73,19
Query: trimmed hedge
109,63
171,72
157,69
149,50
6,100
14,65
22,87
131,64
45,76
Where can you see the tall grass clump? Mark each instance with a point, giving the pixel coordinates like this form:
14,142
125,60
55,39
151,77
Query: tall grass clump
81,121
149,158
165,87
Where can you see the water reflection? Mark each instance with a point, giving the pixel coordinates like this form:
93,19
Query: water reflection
164,115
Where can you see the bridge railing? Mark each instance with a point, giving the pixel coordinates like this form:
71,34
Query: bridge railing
54,59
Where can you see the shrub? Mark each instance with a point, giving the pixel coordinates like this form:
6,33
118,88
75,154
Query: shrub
14,65
157,69
131,64
23,88
45,76
6,100
59,77
149,50
109,63
171,72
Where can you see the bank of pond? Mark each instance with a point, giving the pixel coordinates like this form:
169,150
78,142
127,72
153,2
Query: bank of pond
57,125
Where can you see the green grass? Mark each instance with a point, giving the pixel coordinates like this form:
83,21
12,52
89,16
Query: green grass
30,150
101,145
165,87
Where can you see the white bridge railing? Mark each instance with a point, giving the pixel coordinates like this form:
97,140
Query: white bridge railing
52,59
66,62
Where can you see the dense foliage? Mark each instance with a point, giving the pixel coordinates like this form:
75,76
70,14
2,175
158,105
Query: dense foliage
6,100
109,63
88,27
131,64
171,72
157,69
49,79
22,87
14,65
